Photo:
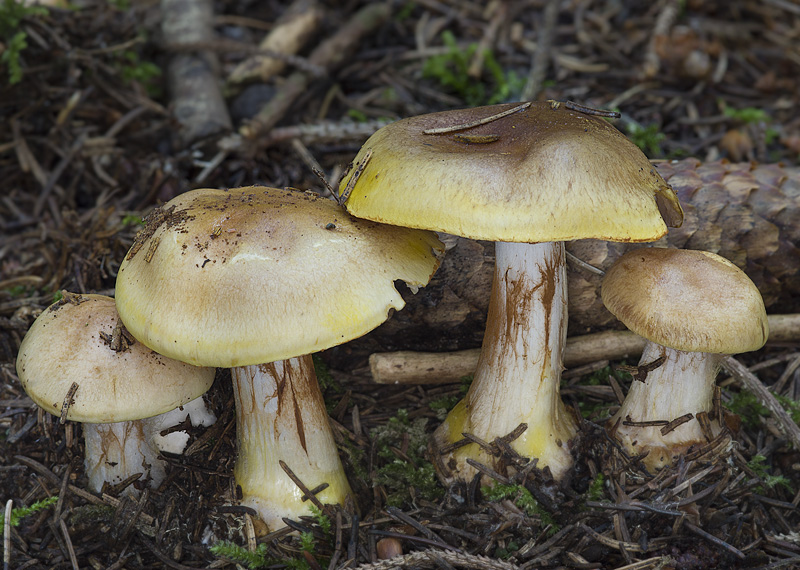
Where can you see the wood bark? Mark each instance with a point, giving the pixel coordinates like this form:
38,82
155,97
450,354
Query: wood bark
192,76
748,213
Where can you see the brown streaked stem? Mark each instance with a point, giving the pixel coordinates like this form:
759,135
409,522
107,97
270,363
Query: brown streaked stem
118,450
519,369
280,416
115,451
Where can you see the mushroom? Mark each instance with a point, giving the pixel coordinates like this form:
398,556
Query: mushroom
77,356
693,307
528,176
256,279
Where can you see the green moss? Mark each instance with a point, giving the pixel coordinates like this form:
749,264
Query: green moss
21,291
522,498
323,521
133,68
451,70
240,555
326,381
599,378
397,474
446,403
596,490
19,513
132,220
746,115
757,464
647,138
750,410
12,13
260,558
506,552
354,456
357,116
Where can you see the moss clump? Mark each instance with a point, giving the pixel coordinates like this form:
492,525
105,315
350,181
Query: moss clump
523,499
20,513
400,446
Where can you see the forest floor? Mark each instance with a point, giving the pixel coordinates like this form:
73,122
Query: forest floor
106,114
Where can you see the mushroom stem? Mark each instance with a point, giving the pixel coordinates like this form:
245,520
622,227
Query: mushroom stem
174,441
280,415
118,450
682,384
519,369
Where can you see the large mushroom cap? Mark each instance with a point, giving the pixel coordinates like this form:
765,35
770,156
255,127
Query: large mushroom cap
542,173
71,342
252,275
695,301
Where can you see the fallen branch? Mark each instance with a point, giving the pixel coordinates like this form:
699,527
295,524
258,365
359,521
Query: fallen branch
786,424
407,367
196,99
329,54
291,32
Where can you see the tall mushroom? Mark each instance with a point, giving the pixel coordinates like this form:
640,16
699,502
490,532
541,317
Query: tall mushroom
256,279
77,355
693,307
529,176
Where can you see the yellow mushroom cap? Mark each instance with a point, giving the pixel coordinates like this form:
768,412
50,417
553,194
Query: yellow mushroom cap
543,173
70,342
690,300
252,275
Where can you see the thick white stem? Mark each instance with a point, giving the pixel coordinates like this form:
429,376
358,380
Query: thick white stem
280,415
116,451
682,384
519,370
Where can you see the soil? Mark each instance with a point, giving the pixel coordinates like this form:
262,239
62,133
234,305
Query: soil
107,114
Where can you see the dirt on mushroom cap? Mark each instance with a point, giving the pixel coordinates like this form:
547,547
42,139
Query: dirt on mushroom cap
253,275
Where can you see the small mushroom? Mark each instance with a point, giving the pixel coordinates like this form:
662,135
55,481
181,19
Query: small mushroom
693,307
528,176
76,356
257,279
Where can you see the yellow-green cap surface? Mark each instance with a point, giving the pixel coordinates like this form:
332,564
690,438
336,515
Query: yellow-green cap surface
542,173
252,275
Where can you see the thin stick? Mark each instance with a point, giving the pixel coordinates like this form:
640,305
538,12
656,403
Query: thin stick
329,54
300,485
7,535
400,516
785,423
655,562
68,541
719,542
640,372
649,423
543,54
69,399
675,423
359,169
610,542
591,111
408,367
461,559
471,124
581,263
